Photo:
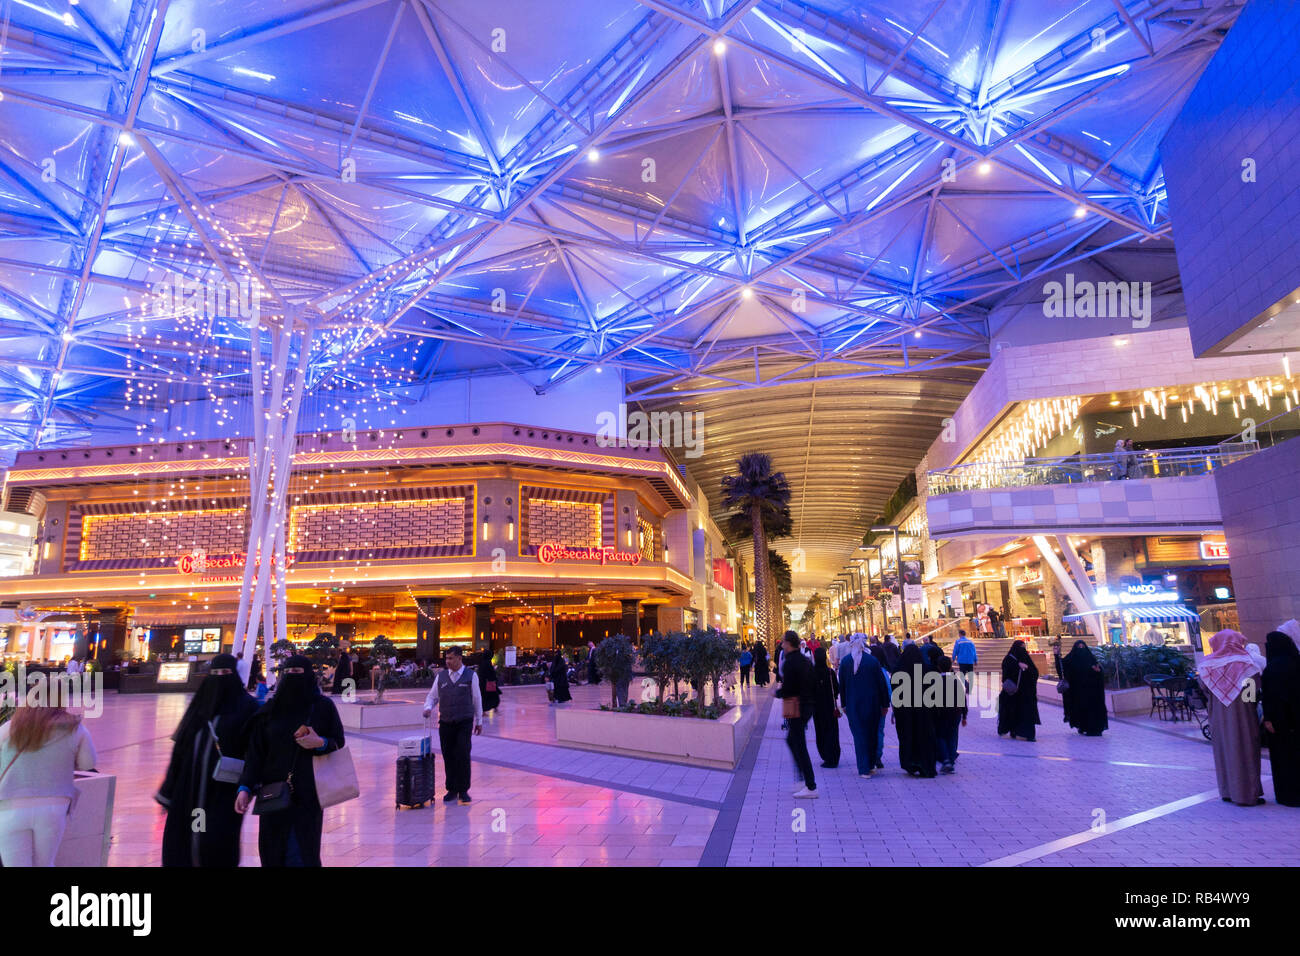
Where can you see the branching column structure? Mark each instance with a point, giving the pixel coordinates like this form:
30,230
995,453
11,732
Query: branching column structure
277,397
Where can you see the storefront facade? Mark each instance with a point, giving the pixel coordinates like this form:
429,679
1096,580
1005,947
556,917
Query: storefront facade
476,535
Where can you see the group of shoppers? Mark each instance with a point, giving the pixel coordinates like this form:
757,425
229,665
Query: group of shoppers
865,682
1124,460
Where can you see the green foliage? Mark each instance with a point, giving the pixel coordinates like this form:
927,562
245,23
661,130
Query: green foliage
673,706
322,651
282,649
381,648
1125,665
661,655
615,658
780,573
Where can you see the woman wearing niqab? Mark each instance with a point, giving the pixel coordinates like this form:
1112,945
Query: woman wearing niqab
1018,710
1280,695
918,746
488,674
761,675
560,679
864,689
215,725
1085,697
278,751
1225,673
826,722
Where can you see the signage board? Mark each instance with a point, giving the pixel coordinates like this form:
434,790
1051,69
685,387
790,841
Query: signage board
550,552
1214,550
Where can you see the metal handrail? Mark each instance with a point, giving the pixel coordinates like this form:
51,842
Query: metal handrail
1108,466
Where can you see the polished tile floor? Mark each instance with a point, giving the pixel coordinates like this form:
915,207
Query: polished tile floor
1143,795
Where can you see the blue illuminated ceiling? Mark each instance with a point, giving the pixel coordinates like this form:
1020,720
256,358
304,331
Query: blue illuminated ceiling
707,196
794,217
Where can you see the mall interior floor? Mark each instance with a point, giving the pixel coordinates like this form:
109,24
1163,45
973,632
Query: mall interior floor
1139,796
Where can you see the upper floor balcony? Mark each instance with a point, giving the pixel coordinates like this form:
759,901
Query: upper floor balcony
1142,492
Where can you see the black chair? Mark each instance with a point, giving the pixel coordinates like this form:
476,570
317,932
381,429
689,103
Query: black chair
1161,702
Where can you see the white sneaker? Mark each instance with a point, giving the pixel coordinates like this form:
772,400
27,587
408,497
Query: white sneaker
803,793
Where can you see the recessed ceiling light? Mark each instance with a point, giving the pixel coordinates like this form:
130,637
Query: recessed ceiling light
1120,343
747,293
985,168
593,154
719,47
1080,212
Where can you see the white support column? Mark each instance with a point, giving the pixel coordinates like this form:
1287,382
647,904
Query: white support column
1084,604
263,598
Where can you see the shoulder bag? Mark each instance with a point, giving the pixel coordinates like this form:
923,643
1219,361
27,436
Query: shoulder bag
336,777
790,708
1009,687
274,797
228,769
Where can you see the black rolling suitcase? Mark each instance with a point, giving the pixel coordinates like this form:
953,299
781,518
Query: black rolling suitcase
416,776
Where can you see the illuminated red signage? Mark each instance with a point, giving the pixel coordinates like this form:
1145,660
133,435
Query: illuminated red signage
1212,550
197,563
550,552
723,574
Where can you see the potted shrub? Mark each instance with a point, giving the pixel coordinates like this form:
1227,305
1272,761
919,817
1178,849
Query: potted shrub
615,657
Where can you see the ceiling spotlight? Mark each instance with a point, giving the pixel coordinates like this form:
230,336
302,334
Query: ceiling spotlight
1120,343
593,154
1080,212
985,168
719,47
599,370
916,334
747,293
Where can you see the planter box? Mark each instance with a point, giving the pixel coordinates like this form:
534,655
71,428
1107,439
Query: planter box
359,716
85,841
1129,702
694,740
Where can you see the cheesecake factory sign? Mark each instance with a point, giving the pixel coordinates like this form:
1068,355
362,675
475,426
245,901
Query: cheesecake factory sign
549,553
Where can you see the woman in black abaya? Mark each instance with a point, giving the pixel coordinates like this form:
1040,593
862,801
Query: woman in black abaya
220,706
1280,695
761,676
560,678
826,713
488,687
1086,693
298,723
1018,708
918,746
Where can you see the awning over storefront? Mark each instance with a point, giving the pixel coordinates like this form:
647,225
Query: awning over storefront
1152,613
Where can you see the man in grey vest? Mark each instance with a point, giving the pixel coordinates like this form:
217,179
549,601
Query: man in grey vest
460,713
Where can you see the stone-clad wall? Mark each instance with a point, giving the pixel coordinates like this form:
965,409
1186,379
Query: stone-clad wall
1261,517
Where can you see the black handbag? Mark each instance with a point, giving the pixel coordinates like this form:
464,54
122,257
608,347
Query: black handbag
274,797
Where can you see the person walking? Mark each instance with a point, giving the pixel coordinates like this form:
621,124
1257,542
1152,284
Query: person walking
297,723
40,747
343,673
965,656
1225,672
1280,695
746,665
215,726
1119,460
560,679
1018,700
797,692
1084,697
761,668
488,688
913,720
864,689
826,710
950,716
1133,461
455,693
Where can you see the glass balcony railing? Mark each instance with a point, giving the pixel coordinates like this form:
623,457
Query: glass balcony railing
1166,463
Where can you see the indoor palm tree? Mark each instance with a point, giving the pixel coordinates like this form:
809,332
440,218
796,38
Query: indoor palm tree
761,498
